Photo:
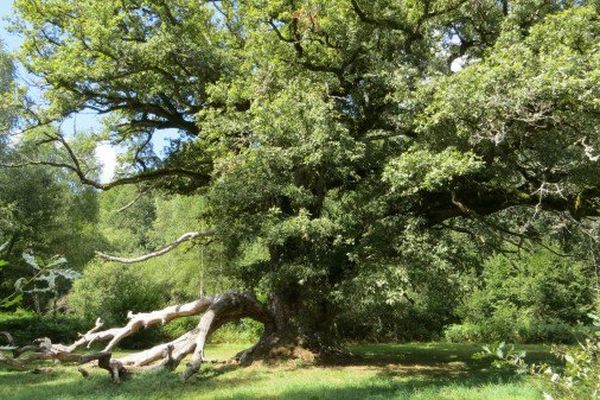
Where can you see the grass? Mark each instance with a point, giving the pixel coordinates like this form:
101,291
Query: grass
386,371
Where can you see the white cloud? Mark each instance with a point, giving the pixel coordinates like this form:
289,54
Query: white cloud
107,157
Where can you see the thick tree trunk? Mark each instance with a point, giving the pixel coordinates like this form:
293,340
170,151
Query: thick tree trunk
300,327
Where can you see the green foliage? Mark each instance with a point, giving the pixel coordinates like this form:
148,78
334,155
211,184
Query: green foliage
580,378
331,143
419,169
110,291
537,297
464,333
44,280
577,378
467,332
25,326
150,221
127,230
43,212
194,269
415,298
243,331
10,94
395,306
534,93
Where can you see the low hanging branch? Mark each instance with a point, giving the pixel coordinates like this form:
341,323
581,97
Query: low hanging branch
141,321
186,237
217,310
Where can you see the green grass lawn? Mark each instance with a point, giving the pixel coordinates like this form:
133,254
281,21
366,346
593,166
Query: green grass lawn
386,371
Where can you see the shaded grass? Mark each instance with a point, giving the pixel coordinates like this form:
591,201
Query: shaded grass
393,371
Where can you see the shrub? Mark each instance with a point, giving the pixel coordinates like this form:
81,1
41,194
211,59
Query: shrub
580,379
537,333
25,326
460,333
110,291
579,376
242,331
542,297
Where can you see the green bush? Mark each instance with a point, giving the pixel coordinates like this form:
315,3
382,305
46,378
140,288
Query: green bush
516,325
580,377
110,291
539,333
461,333
577,377
542,297
391,323
242,331
178,327
25,326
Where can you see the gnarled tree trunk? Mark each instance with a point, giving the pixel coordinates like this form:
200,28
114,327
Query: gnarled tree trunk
300,326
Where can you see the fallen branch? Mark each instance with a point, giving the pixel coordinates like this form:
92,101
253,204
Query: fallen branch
44,349
161,351
217,310
11,362
141,321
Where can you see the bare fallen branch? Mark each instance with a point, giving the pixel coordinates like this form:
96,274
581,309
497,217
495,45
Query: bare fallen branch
168,352
217,310
11,346
12,363
44,349
141,321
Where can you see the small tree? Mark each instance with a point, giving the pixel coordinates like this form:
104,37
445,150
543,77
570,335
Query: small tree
42,282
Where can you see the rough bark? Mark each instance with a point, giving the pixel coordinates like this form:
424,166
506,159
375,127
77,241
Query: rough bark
300,327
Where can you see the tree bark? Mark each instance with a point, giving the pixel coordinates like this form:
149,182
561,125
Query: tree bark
300,327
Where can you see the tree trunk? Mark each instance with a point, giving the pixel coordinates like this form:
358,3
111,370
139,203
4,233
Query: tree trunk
300,327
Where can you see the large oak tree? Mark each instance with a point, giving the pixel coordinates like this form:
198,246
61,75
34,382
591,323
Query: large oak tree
323,134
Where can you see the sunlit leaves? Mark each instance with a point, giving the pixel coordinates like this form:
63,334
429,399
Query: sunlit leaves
419,169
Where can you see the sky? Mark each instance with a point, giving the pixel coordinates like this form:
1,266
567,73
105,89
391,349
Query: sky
106,154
